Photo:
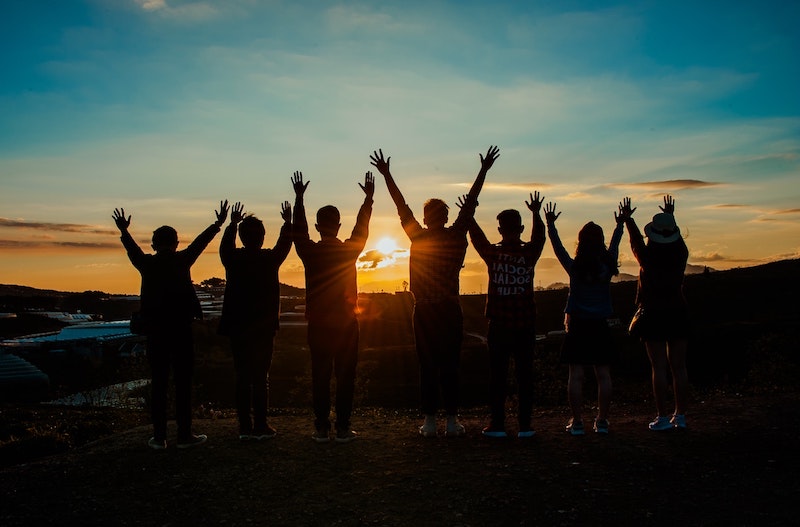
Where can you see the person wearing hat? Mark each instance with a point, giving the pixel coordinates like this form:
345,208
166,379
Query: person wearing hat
663,313
588,340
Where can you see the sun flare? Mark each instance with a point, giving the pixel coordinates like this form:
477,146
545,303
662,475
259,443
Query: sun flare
386,245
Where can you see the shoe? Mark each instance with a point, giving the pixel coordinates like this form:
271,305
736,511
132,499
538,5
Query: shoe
345,436
321,436
660,424
575,427
678,421
455,429
193,440
524,434
267,433
157,445
600,426
246,437
427,430
491,431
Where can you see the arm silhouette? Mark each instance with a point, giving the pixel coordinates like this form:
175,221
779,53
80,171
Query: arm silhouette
471,201
563,256
476,235
204,238
361,229
284,243
227,244
538,236
638,246
300,224
135,252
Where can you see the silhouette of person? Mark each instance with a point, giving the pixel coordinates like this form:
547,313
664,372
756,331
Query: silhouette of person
250,312
331,303
665,324
168,306
511,311
588,341
436,257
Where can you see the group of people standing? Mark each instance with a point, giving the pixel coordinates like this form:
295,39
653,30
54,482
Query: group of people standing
251,308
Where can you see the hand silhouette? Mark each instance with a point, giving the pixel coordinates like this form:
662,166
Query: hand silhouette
491,155
119,218
297,183
377,160
535,204
550,212
369,185
462,200
223,212
237,213
669,205
286,211
625,210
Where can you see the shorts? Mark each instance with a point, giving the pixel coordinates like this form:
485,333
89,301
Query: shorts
589,342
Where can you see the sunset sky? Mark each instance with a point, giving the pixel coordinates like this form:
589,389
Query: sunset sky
165,107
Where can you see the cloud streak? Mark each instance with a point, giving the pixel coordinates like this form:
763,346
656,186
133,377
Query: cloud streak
57,227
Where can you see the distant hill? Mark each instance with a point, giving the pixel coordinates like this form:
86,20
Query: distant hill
10,290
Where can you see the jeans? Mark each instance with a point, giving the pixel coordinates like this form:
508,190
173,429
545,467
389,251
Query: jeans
438,331
334,351
252,356
171,349
505,343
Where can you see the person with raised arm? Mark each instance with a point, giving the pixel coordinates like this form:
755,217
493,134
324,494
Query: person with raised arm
588,340
663,315
169,304
437,255
511,311
331,304
250,312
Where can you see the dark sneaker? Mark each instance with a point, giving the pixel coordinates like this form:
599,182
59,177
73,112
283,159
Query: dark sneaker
157,445
455,429
660,424
601,426
678,421
267,433
321,436
525,434
192,441
427,430
345,436
575,428
493,431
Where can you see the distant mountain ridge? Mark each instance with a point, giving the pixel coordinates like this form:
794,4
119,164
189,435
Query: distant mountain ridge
11,290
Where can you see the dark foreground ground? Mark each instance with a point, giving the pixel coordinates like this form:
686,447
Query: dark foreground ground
737,465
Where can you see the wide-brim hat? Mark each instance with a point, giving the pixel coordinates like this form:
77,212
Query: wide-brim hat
662,229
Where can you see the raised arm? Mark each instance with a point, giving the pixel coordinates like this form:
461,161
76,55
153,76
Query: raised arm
133,249
382,165
563,256
669,205
537,232
361,229
204,238
300,225
476,234
472,196
284,243
227,244
638,246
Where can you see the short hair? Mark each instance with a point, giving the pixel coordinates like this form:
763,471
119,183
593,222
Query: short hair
509,219
165,236
252,231
328,216
435,209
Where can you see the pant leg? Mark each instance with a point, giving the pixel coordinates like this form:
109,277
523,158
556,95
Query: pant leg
425,342
159,358
319,343
345,361
243,391
452,332
262,360
500,348
182,370
523,352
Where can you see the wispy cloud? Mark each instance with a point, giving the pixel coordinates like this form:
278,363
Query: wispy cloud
40,244
671,185
60,227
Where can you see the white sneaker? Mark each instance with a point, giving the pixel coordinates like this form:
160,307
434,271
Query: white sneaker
455,429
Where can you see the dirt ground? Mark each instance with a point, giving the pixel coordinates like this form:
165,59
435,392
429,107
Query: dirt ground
736,465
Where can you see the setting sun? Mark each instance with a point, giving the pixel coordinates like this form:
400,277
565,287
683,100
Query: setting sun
386,245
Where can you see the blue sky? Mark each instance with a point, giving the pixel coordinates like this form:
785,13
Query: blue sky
166,107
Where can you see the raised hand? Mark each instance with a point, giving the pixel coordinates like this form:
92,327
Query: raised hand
491,155
297,183
237,213
669,205
550,212
286,211
222,215
535,204
462,201
381,164
625,210
119,218
369,185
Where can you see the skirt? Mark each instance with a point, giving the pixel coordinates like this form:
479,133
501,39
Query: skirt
589,342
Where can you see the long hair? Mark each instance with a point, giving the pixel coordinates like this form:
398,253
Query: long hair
593,262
